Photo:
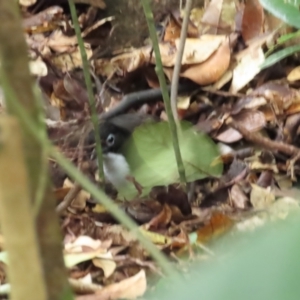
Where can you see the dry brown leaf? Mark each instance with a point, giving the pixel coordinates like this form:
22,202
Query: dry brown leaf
181,240
196,50
249,102
69,61
79,202
217,225
60,193
212,69
59,42
129,62
280,96
253,20
85,243
211,17
251,120
106,264
118,234
247,68
129,288
229,135
238,197
172,31
199,50
293,109
43,21
76,90
162,219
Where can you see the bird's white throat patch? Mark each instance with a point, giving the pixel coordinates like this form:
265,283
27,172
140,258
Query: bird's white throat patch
116,169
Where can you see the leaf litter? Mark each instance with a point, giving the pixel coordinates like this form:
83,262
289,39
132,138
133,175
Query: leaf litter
250,118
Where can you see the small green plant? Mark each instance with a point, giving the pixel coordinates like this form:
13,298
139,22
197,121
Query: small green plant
287,11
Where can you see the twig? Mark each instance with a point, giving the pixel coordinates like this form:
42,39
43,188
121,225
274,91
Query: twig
73,192
88,82
163,85
262,141
177,65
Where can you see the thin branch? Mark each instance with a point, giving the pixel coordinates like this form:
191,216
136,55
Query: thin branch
164,88
262,141
177,66
73,192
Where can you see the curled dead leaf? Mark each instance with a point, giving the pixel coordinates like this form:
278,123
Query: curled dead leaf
212,69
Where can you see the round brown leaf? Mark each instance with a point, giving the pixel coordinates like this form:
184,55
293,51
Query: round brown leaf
212,69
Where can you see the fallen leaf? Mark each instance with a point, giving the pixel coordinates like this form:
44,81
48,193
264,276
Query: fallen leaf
253,19
211,17
217,225
106,264
195,51
212,69
247,68
238,197
69,61
129,288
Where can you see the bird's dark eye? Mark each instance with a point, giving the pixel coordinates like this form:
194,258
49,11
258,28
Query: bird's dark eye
110,140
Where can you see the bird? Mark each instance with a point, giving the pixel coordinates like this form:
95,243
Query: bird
114,132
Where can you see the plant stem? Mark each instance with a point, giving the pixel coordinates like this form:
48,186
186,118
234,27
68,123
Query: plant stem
163,85
88,82
177,66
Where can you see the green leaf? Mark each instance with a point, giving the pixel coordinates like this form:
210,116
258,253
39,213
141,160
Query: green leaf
276,57
289,36
286,10
282,40
151,157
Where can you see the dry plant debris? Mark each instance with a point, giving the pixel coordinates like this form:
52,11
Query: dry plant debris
252,115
